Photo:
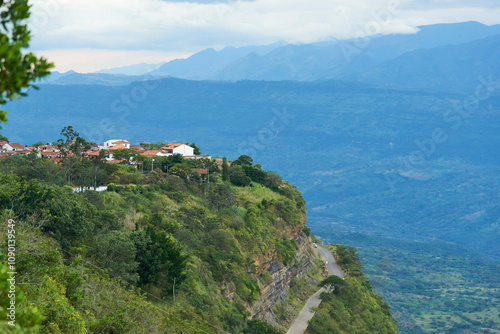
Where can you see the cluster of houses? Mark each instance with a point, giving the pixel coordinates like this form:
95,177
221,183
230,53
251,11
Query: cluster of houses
110,146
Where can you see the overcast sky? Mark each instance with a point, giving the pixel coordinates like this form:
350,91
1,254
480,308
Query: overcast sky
88,35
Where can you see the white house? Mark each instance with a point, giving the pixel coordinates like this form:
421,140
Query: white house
113,142
13,147
176,148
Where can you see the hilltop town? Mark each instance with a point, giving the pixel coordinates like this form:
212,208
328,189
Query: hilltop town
108,151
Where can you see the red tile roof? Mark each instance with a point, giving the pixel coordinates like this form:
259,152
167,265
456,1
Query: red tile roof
137,147
52,148
118,147
121,142
16,145
171,146
151,153
92,153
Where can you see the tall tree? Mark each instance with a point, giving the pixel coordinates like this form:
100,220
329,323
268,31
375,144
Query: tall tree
225,170
18,69
73,148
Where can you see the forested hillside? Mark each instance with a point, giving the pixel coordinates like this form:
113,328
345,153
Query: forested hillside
157,252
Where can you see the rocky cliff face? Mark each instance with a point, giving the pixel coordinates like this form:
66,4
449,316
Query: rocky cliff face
277,290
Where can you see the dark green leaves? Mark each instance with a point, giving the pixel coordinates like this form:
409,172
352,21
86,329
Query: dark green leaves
17,69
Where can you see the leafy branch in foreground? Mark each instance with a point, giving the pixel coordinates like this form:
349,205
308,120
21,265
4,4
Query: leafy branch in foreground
17,69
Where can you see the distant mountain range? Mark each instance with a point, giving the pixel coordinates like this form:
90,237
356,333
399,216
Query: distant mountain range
442,56
137,69
447,67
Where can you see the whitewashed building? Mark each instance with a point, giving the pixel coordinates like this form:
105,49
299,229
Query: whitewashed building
177,148
113,142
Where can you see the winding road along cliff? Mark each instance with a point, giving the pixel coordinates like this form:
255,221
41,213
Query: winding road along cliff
299,326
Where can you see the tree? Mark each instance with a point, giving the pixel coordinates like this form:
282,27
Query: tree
150,146
273,181
256,174
116,252
243,160
225,170
170,161
37,144
72,149
125,154
196,148
334,282
222,196
161,259
18,69
238,177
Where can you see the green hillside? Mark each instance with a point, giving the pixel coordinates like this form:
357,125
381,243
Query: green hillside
156,252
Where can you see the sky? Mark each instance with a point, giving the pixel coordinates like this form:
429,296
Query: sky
89,35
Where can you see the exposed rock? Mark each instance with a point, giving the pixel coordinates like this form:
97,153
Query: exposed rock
281,278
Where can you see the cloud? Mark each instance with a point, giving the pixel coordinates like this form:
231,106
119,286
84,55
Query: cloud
190,26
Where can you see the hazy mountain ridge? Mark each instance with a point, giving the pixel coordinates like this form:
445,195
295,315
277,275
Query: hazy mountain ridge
451,67
424,60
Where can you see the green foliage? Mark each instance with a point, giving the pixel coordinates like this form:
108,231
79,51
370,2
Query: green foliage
356,309
196,148
348,258
287,210
125,154
222,196
160,258
286,250
225,170
57,309
273,181
116,251
243,160
70,219
255,174
150,146
259,327
238,177
353,307
18,69
333,282
126,176
265,277
27,317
